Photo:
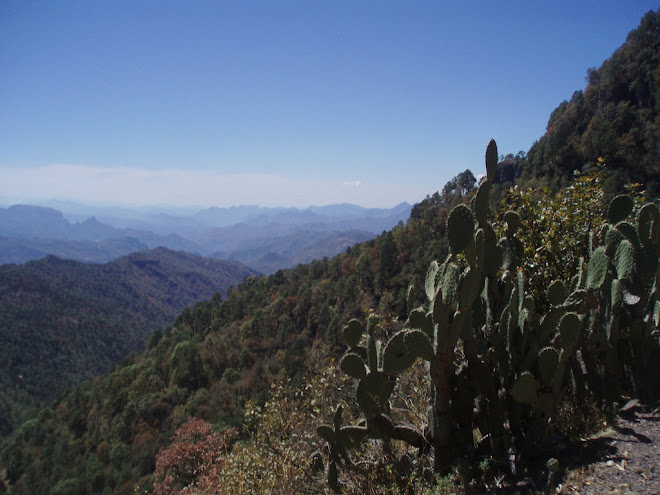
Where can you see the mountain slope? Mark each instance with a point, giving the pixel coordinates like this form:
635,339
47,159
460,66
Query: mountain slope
271,254
62,322
616,118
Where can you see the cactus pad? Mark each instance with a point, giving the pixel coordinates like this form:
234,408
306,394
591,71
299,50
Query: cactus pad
629,232
620,208
419,343
397,356
491,159
569,331
481,203
352,436
460,228
470,287
429,284
547,363
612,239
353,366
623,261
597,270
409,435
450,284
648,222
512,220
353,333
524,389
557,293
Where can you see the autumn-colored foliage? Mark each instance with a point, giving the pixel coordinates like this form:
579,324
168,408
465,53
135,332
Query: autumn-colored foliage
193,460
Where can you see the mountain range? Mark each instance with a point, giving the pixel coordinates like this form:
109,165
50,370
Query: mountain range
265,238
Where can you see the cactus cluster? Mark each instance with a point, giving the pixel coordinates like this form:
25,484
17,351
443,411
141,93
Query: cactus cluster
515,365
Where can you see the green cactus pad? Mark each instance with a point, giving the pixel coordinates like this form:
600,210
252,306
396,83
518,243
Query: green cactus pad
419,343
547,363
450,284
576,301
557,293
489,254
623,261
470,253
524,388
617,295
620,208
410,298
512,220
612,239
372,392
410,435
648,222
397,357
629,232
549,324
353,333
353,366
372,323
419,320
597,270
512,252
441,313
460,228
430,282
326,433
470,287
569,331
481,203
491,160
372,353
352,436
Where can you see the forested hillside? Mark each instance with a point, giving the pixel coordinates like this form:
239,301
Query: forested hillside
616,118
62,322
229,399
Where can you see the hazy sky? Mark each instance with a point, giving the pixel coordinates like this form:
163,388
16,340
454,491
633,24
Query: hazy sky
286,103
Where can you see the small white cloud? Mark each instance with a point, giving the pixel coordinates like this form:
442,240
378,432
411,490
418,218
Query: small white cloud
352,183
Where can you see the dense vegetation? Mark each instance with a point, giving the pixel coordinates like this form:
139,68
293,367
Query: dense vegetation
616,117
264,360
62,322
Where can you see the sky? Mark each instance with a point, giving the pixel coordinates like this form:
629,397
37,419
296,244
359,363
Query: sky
281,103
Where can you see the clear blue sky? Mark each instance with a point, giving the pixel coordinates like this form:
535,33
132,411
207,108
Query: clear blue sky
281,102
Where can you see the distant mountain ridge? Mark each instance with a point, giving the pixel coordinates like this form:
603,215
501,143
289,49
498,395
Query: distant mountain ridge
64,321
31,232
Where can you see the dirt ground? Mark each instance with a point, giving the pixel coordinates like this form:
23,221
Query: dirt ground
623,459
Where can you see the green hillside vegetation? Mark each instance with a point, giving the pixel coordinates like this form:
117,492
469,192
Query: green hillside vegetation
230,398
63,322
616,117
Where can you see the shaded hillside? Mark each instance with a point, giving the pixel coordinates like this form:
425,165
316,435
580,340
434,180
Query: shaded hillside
62,322
270,254
616,117
19,250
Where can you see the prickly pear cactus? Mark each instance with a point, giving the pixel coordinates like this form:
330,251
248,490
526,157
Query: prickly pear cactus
493,362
